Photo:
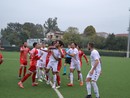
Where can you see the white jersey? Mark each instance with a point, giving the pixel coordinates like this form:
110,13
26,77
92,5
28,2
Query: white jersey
56,53
74,59
44,54
39,52
95,56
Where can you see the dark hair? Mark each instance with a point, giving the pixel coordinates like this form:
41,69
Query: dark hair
79,46
53,43
91,44
34,44
74,44
60,42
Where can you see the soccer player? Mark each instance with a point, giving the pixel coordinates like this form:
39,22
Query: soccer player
94,72
75,63
67,60
81,54
62,52
1,56
24,51
42,63
32,69
39,65
53,62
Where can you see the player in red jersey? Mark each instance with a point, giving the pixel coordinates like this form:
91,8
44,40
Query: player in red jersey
81,54
32,69
62,52
24,50
1,56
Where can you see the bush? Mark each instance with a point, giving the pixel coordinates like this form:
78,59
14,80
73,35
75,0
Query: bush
108,53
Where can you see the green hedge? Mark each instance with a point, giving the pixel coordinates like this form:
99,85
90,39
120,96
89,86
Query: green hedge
108,53
102,52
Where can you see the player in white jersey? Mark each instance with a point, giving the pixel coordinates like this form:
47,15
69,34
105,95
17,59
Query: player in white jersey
75,63
39,65
53,62
94,72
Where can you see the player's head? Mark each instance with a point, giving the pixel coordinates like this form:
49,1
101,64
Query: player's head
73,45
90,45
78,47
59,43
39,45
25,44
43,44
35,45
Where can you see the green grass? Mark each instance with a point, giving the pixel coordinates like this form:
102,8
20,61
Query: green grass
113,83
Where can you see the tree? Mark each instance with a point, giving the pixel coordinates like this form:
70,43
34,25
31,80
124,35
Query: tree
89,31
17,33
51,25
111,42
71,36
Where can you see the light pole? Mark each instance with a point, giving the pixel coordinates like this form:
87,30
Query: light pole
128,44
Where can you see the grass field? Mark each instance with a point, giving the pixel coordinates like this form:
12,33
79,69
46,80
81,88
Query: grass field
113,83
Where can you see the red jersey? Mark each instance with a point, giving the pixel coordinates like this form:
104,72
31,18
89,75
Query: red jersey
23,52
34,57
81,53
47,57
60,61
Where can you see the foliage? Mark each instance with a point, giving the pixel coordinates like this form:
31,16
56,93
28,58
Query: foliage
51,25
17,33
71,35
89,31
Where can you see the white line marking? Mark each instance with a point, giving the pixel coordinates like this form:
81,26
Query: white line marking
57,91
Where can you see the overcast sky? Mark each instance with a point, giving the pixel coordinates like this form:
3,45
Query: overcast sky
110,16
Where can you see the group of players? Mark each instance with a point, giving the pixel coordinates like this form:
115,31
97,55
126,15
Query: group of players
43,59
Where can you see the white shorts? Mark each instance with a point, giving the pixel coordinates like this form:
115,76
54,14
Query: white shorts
75,66
40,64
94,76
53,65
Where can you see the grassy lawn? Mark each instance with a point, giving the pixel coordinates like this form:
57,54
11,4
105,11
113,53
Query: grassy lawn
113,83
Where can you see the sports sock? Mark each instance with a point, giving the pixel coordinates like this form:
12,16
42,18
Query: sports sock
81,77
95,87
24,71
54,79
58,80
71,77
48,76
20,71
25,77
33,77
64,69
88,87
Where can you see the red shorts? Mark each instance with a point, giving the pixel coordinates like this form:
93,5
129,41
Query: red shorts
32,68
59,65
1,61
23,62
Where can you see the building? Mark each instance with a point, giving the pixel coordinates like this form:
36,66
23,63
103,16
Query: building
102,34
54,35
122,35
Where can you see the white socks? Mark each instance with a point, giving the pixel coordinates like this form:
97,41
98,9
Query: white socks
95,87
54,79
88,87
71,78
81,77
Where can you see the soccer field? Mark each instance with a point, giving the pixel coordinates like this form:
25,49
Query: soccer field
113,83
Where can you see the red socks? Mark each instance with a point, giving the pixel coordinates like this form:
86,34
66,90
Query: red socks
58,80
25,77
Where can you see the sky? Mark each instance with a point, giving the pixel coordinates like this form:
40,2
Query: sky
111,16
